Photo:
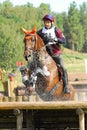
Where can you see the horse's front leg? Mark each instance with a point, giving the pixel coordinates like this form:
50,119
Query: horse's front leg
25,76
25,79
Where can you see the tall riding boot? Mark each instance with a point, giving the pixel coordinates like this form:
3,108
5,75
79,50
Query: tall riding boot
65,83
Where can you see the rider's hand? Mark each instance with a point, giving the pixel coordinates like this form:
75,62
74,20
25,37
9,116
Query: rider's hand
47,38
50,43
55,39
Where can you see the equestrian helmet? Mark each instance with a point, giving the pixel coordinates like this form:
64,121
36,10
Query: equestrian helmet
48,17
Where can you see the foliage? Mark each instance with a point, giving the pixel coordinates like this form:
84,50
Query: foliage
12,18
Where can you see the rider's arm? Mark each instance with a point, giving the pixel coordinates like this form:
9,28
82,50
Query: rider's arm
60,37
44,36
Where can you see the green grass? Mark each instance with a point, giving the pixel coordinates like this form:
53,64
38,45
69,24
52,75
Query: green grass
75,67
74,61
1,86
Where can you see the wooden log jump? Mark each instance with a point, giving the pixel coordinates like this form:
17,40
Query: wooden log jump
43,105
33,102
19,115
81,114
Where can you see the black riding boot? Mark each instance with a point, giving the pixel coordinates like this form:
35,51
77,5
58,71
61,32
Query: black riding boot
65,83
62,72
65,87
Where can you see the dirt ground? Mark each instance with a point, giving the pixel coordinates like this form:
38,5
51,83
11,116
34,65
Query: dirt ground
80,76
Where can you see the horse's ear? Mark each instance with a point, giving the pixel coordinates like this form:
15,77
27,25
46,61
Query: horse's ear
34,30
24,30
29,31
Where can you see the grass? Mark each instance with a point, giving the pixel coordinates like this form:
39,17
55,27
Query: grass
1,86
75,67
74,61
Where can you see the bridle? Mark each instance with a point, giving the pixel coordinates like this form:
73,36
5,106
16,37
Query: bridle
30,50
31,37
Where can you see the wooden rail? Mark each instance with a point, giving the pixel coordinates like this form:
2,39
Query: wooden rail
34,102
43,105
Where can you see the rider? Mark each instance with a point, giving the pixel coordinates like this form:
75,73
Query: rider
51,34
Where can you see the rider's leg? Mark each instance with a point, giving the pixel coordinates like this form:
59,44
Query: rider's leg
59,61
65,81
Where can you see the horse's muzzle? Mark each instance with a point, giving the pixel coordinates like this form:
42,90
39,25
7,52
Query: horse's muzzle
27,57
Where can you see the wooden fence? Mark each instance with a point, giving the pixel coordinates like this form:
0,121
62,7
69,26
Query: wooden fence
18,103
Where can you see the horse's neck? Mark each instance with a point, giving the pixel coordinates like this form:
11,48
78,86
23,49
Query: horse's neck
39,43
40,57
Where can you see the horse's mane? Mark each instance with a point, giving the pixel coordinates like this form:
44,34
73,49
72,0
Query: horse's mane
39,42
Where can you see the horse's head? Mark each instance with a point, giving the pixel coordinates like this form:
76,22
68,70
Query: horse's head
32,42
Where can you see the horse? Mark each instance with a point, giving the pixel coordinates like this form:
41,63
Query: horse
42,70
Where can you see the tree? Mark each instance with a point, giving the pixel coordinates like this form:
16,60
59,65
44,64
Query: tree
75,33
59,21
12,18
83,21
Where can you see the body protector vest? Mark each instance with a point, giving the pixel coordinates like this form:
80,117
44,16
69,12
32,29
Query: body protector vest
49,32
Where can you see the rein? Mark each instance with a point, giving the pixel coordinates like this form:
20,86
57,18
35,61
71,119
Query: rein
27,37
34,40
37,46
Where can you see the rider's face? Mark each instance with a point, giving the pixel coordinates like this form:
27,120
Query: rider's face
47,24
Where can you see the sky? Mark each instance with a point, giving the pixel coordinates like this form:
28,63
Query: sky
55,5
